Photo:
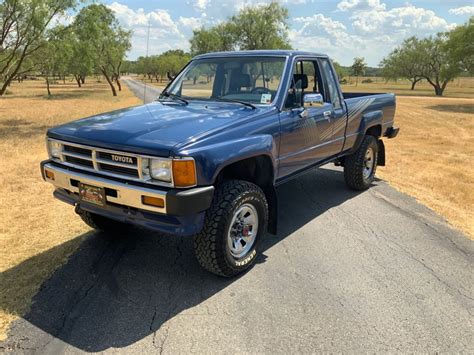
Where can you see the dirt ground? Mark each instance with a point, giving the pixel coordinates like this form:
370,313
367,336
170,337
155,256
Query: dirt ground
32,221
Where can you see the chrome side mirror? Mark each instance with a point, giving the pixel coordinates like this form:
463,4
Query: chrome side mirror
313,100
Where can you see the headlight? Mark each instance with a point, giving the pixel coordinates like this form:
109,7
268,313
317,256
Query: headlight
180,172
160,169
54,149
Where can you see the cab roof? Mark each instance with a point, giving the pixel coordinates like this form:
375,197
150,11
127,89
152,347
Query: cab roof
265,52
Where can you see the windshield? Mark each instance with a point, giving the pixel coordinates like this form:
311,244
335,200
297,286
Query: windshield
254,80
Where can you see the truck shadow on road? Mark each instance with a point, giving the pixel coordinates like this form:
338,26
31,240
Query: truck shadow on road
114,292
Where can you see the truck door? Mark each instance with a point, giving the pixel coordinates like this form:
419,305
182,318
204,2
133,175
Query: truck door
333,95
305,133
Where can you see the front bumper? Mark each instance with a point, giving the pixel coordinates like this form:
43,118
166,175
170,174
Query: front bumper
124,200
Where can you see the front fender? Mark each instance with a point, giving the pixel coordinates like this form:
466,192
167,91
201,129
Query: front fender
211,159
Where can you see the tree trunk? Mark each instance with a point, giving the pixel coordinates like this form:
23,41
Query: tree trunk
413,83
118,84
47,86
83,79
357,80
78,81
112,87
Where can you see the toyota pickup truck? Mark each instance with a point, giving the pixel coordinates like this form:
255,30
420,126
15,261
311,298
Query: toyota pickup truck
205,158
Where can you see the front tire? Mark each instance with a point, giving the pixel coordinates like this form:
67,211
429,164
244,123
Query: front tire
234,227
102,223
360,167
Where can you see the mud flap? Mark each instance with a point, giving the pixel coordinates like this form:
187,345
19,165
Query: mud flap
381,153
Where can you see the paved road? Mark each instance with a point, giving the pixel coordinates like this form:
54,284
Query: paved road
150,92
347,272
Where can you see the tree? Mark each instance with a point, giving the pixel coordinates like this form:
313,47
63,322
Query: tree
258,27
261,27
103,37
340,70
53,56
358,68
23,24
81,63
438,68
460,46
219,38
404,62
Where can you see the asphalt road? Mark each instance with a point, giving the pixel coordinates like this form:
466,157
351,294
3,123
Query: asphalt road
347,272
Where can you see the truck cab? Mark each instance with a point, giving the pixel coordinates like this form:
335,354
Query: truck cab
205,158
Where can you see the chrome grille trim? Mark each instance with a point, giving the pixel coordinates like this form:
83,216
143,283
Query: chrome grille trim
96,161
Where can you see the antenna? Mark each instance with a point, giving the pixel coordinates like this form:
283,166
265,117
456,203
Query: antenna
146,61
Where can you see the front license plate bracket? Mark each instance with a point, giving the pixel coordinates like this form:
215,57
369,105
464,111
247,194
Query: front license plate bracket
92,194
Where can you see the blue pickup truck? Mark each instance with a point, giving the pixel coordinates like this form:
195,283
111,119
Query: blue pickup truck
205,158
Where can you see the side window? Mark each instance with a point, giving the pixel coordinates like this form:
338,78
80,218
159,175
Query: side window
305,79
332,89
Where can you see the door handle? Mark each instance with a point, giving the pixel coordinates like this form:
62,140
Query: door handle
327,115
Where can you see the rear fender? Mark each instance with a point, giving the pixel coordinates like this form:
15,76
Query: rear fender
369,120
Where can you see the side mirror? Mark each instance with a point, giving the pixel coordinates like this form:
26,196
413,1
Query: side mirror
313,100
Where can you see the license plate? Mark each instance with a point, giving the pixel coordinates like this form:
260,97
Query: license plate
92,194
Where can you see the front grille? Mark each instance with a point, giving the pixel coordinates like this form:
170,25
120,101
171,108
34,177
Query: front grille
79,161
102,161
119,169
78,150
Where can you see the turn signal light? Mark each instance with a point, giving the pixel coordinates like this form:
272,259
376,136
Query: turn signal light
153,201
184,173
49,174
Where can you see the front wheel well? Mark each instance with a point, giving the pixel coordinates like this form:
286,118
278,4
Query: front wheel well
258,170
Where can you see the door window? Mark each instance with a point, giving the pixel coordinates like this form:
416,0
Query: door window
332,89
305,79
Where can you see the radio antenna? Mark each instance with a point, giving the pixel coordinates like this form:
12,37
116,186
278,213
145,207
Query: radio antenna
146,61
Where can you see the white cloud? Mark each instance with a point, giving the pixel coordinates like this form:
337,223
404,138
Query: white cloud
191,22
165,33
358,5
372,32
464,10
201,5
406,20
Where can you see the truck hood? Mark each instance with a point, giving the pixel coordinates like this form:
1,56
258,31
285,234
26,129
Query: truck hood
155,128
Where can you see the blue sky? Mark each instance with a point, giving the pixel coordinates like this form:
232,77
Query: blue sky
343,29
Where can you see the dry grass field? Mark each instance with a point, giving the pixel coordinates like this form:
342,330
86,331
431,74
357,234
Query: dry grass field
31,220
431,157
429,160
460,87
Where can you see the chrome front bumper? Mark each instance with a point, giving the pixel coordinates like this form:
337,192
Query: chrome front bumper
126,194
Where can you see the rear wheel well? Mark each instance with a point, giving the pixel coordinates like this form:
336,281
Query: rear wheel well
375,131
257,170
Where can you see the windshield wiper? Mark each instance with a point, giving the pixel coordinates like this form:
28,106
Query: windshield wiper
236,101
173,96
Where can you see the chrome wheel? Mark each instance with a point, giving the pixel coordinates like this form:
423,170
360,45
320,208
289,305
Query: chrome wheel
369,163
243,231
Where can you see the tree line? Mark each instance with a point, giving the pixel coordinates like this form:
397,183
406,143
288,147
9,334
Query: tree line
95,43
437,59
30,43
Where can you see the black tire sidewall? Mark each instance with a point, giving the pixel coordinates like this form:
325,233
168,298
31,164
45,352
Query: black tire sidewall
372,143
254,198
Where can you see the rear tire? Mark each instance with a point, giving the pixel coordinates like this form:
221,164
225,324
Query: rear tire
360,167
234,227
